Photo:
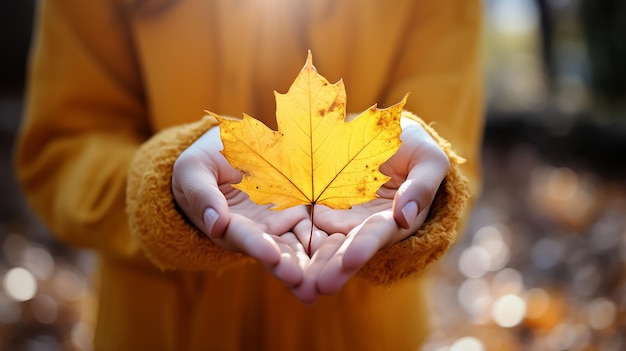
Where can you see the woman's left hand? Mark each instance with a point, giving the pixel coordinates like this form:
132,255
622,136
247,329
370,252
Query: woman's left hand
355,235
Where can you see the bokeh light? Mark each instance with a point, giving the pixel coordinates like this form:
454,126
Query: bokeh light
475,298
601,313
509,310
467,343
507,281
562,337
70,285
82,336
537,302
19,284
490,238
45,309
562,184
38,261
474,262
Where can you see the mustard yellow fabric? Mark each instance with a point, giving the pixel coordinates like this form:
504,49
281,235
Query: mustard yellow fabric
117,91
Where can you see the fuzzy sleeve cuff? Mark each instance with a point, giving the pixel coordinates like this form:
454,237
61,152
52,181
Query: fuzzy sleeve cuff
172,242
169,240
411,255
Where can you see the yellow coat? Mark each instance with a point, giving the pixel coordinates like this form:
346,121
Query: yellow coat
107,81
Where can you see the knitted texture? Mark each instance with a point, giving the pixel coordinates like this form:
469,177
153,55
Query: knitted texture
169,240
411,255
172,242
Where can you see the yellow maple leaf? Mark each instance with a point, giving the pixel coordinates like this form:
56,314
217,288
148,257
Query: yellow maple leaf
316,156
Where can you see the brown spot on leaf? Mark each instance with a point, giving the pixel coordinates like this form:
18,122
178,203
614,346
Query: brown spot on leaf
381,123
333,106
361,189
243,172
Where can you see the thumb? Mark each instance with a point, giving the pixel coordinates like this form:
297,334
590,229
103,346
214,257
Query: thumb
197,193
198,196
215,213
416,194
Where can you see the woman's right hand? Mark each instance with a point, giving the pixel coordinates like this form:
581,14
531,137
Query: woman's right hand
201,185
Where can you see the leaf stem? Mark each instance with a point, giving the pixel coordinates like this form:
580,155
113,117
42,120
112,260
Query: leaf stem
311,233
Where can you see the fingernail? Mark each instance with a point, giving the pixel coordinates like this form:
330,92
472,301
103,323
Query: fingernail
210,218
409,211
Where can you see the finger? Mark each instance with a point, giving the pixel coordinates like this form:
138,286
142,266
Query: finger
288,269
293,241
418,191
279,222
243,235
275,253
307,291
198,172
333,275
377,232
338,221
197,194
310,236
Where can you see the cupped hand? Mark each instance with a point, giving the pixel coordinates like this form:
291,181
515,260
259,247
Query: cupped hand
201,185
416,172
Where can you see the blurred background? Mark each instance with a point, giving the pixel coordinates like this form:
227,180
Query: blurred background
542,265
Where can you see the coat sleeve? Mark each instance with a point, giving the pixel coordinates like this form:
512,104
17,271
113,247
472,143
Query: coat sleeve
440,64
84,119
413,254
167,237
86,130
